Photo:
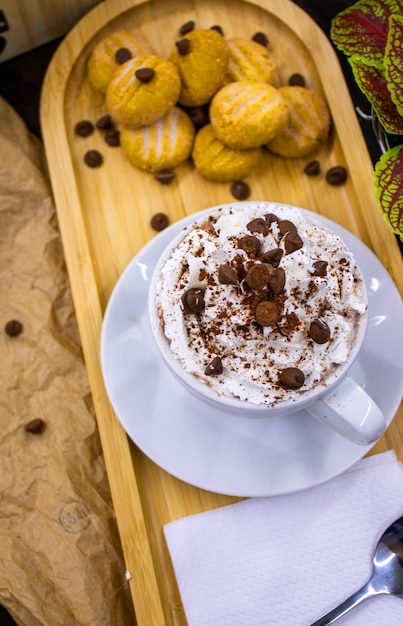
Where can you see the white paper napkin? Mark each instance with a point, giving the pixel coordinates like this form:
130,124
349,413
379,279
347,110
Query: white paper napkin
287,560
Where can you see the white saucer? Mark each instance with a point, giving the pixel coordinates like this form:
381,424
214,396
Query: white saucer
226,453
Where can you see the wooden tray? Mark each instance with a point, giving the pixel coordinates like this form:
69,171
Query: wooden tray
104,217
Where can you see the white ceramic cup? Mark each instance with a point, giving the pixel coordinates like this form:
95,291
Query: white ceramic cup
341,403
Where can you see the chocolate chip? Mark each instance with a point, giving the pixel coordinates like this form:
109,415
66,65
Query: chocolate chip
319,331
35,426
122,55
227,275
85,128
336,175
312,168
319,268
292,242
258,225
112,137
165,177
13,328
273,257
214,368
297,80
159,221
104,123
93,158
199,116
193,300
250,244
285,226
240,190
277,281
261,38
258,276
145,74
292,378
267,313
187,27
271,218
218,28
183,46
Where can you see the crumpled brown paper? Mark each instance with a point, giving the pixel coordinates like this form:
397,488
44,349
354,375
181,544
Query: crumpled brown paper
60,555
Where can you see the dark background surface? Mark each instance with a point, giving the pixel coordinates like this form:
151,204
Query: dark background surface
21,80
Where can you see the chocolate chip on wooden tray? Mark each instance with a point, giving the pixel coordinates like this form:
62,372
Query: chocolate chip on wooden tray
13,328
261,38
112,137
105,122
312,168
240,190
165,177
336,175
187,27
297,80
93,158
35,426
84,128
218,28
159,221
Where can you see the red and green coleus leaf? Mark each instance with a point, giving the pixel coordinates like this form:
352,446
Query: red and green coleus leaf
394,61
362,29
372,82
389,187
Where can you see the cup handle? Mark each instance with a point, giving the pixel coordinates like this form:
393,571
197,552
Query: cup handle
350,411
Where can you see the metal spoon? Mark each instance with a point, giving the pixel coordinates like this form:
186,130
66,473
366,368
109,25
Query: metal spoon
387,576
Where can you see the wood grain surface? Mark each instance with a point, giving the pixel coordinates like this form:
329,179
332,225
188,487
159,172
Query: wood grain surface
104,216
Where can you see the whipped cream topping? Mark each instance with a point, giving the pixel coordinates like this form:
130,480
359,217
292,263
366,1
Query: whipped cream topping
261,302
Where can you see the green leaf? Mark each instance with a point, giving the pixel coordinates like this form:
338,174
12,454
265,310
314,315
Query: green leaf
394,61
372,82
388,182
362,29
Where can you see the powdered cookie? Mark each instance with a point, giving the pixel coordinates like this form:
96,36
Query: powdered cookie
110,53
247,114
307,126
142,91
201,58
161,146
218,162
249,60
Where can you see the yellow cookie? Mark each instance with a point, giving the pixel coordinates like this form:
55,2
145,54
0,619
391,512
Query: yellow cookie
110,53
161,146
202,65
248,114
308,123
249,60
139,101
216,161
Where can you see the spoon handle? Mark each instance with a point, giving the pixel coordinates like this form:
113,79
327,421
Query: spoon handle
357,598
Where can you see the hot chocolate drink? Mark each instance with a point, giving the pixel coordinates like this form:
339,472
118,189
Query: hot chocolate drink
260,302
